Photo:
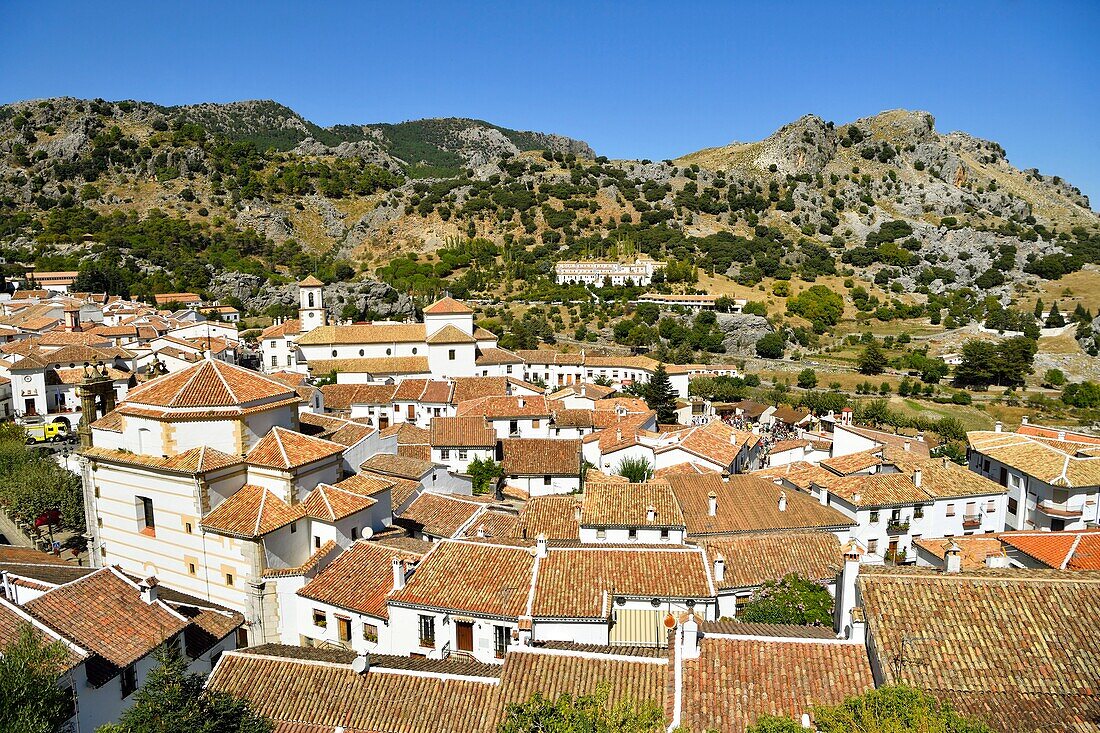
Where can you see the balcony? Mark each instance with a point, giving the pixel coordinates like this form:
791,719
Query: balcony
897,527
972,521
1061,509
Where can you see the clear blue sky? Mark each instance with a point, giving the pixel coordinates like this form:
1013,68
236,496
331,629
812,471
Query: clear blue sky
634,79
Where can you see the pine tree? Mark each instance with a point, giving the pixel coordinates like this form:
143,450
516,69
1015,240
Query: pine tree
872,360
1055,319
1039,308
660,396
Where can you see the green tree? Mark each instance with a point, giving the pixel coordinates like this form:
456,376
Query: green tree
636,470
1054,318
872,360
582,714
32,700
483,473
791,600
1085,394
807,379
771,345
1054,378
890,709
819,305
660,395
1039,309
172,700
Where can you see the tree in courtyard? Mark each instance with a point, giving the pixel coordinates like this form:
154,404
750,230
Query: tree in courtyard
791,600
173,700
660,396
636,470
483,473
32,700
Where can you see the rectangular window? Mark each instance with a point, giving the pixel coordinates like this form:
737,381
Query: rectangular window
500,640
632,533
451,354
664,535
274,360
950,510
445,454
1013,505
874,517
191,569
601,534
128,678
427,631
343,628
229,579
535,424
872,546
320,619
293,527
370,632
148,525
187,527
462,454
316,542
990,506
545,480
354,533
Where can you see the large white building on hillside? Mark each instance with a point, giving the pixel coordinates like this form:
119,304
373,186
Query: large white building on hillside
607,272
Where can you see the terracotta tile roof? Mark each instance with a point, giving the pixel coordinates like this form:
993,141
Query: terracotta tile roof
627,505
505,407
540,457
462,432
555,517
289,327
360,579
716,442
942,478
975,548
1037,458
1073,550
364,484
754,559
103,613
527,672
798,473
310,282
12,622
197,460
472,577
583,389
330,504
579,582
332,695
960,636
399,466
343,396
748,503
441,515
892,440
371,333
623,404
447,306
472,388
313,561
395,538
493,357
494,523
401,490
790,415
574,418
484,334
850,463
735,681
877,489
450,335
285,449
1040,431
679,469
733,627
782,446
112,422
251,512
210,383
369,365
28,555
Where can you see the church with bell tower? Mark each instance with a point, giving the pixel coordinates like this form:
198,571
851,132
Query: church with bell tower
311,307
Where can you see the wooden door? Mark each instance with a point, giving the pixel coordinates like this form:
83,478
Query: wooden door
464,636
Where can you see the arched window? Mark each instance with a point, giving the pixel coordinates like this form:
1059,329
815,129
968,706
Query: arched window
310,297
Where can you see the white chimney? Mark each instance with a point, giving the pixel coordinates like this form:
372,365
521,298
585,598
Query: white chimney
577,507
846,589
996,560
1023,420
916,477
618,434
806,721
997,426
481,530
952,558
522,402
540,545
651,514
908,445
782,501
855,497
149,590
1061,435
690,630
398,574
712,504
719,568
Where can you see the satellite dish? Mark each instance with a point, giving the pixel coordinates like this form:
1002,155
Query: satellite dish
368,532
360,665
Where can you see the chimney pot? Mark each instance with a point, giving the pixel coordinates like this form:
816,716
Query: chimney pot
782,501
1061,435
651,514
1023,420
712,504
398,574
917,477
481,530
719,568
952,558
149,590
540,545
997,426
908,445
